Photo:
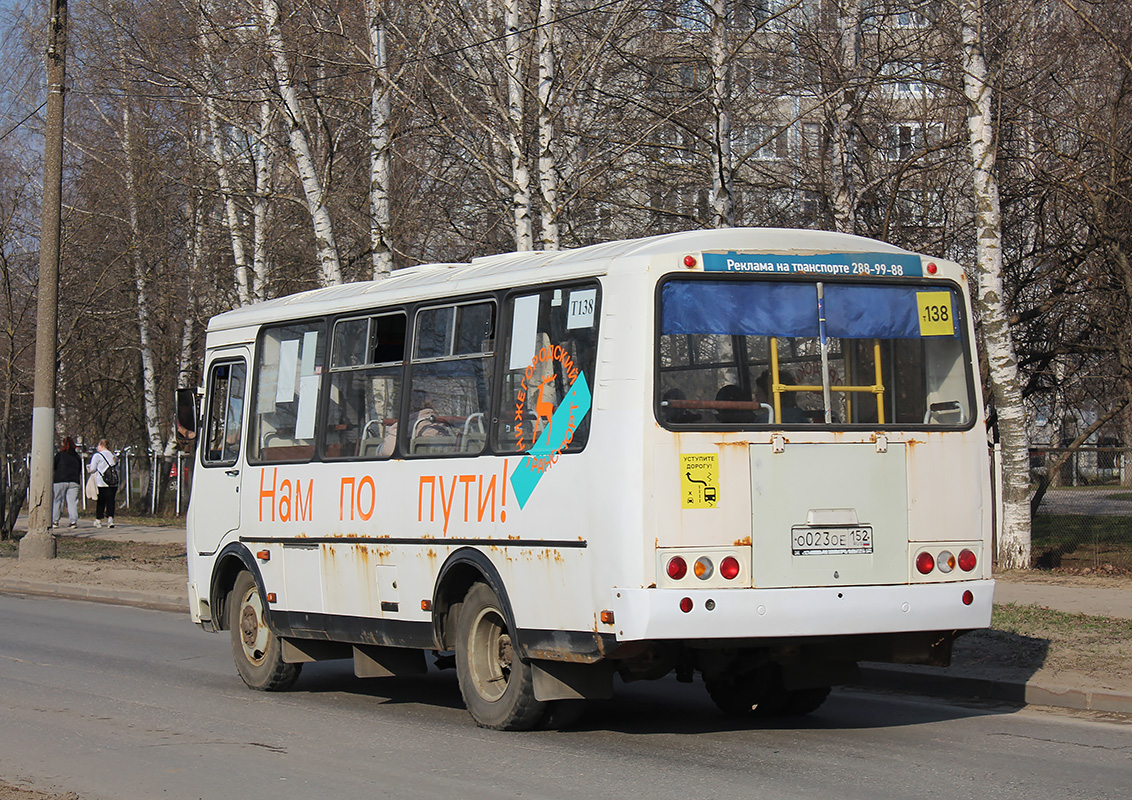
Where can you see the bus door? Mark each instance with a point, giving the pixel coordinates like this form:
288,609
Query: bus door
217,484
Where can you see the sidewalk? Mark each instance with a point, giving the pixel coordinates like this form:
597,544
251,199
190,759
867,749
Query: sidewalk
985,681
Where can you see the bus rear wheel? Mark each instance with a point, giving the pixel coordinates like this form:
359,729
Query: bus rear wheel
498,688
762,694
257,651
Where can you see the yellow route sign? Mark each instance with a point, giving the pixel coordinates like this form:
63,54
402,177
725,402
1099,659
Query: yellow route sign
934,309
699,480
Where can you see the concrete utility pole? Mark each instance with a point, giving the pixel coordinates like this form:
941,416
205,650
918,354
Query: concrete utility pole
39,541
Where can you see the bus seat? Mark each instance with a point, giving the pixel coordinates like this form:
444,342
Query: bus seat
373,439
434,445
370,447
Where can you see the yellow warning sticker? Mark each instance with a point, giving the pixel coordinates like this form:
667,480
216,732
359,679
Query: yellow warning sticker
699,480
935,313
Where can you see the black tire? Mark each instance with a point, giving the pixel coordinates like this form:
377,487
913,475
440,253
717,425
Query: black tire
759,693
805,701
256,650
498,688
734,697
563,714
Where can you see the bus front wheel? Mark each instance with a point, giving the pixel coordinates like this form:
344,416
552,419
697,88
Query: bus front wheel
497,686
256,650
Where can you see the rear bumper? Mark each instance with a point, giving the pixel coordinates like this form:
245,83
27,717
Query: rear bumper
649,614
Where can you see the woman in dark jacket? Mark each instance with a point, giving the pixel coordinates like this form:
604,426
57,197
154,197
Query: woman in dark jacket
68,476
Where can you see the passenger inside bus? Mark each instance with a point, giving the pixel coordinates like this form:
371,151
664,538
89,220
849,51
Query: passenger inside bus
675,414
790,411
730,393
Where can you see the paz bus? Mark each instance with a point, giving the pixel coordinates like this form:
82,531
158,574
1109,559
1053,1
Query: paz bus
755,456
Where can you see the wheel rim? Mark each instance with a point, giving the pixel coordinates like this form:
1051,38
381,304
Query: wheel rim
490,655
253,631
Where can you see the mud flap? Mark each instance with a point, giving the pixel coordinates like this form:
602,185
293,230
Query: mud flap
559,680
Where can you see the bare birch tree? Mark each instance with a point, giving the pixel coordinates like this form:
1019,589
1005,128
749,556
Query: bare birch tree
547,104
521,201
843,138
722,179
326,247
381,119
1014,531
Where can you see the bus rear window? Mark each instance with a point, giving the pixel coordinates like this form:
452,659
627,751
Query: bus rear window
751,353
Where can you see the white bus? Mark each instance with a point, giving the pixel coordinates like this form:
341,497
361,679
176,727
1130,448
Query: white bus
757,455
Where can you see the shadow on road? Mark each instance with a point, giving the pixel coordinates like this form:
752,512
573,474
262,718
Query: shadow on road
657,707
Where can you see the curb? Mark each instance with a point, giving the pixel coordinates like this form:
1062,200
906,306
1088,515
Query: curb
121,597
903,679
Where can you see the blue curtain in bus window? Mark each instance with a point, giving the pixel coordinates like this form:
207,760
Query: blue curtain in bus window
750,308
853,311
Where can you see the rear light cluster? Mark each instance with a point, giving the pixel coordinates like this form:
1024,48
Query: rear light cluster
945,561
703,568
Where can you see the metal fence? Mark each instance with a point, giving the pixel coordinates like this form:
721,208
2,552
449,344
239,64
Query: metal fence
1084,521
149,482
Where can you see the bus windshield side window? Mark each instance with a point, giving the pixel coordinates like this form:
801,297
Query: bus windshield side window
366,362
225,414
751,352
550,344
289,368
450,380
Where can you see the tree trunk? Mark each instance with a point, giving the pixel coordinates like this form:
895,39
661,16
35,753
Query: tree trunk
1014,533
547,100
842,139
141,283
330,271
722,197
520,174
232,214
263,157
381,113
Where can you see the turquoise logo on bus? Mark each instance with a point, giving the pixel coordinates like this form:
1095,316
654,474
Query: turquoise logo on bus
554,438
881,265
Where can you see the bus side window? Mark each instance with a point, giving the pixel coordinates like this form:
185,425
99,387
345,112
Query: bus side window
550,341
289,367
450,379
365,386
225,413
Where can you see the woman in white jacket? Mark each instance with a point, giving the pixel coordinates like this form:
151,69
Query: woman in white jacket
106,479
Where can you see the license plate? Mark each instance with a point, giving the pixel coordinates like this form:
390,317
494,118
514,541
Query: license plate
831,540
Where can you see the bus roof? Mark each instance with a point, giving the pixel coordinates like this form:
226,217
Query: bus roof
517,269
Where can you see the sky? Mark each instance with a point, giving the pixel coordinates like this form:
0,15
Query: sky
21,82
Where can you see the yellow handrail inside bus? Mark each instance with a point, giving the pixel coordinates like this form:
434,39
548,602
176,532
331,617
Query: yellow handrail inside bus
778,388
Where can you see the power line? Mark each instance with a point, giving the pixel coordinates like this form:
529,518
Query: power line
22,121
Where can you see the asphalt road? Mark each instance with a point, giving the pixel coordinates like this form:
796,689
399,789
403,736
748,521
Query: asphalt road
119,703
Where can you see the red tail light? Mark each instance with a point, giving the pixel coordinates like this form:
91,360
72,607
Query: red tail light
925,563
968,598
686,604
729,568
967,560
677,568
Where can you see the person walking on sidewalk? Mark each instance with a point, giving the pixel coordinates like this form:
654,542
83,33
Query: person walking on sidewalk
104,465
68,476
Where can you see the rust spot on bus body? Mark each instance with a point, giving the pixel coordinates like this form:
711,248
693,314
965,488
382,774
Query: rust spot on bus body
744,542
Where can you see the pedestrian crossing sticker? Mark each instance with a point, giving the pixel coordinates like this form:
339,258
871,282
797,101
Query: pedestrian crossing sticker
699,480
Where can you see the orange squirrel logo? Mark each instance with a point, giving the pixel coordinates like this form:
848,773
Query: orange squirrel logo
543,408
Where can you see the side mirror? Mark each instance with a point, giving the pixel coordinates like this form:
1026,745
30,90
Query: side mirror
188,411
